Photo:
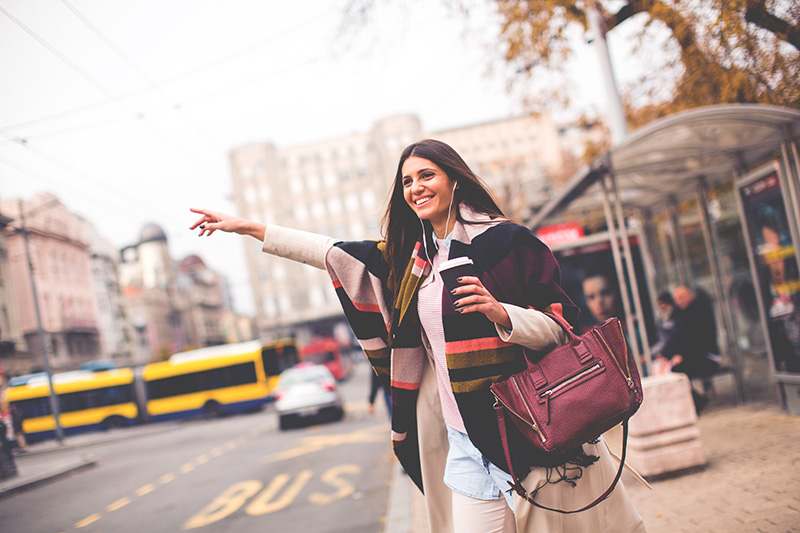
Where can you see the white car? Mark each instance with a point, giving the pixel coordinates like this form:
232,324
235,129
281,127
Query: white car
307,391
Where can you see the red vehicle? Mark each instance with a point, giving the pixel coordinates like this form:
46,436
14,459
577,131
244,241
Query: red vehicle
327,352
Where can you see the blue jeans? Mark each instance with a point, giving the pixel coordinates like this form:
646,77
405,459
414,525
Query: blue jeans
469,473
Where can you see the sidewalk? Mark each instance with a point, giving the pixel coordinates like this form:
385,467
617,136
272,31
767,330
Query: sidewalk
751,483
37,469
48,461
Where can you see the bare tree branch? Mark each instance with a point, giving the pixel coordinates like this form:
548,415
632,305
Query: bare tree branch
757,13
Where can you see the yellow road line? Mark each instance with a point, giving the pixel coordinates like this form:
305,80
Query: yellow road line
145,489
201,460
91,519
166,478
118,504
188,467
216,452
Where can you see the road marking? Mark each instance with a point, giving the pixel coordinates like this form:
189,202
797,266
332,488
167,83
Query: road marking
91,519
118,504
264,504
145,489
201,460
216,452
188,467
166,478
330,477
225,504
318,442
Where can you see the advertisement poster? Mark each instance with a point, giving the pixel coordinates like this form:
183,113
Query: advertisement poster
776,267
588,276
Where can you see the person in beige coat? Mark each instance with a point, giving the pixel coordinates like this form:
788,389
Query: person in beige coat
439,210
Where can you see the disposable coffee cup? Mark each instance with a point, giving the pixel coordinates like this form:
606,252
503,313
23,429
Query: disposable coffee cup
453,269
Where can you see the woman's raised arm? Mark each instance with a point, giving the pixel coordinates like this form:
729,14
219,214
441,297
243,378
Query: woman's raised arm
298,245
212,221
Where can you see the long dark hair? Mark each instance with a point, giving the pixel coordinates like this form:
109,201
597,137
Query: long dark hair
401,226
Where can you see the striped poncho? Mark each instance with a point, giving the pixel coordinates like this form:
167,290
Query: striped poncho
513,265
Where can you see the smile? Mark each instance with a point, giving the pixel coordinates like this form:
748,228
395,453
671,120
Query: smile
422,201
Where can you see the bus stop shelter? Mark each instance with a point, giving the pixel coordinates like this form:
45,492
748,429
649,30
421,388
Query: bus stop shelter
733,162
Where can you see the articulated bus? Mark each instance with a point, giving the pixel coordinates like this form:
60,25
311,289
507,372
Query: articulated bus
213,381
216,380
88,401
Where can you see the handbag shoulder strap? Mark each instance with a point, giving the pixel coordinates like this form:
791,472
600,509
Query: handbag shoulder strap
517,484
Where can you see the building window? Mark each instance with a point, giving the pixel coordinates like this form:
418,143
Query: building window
317,210
296,184
300,213
351,201
367,198
335,205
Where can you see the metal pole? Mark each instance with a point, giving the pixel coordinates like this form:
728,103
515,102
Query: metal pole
647,259
789,185
626,250
684,270
616,113
712,250
623,287
54,405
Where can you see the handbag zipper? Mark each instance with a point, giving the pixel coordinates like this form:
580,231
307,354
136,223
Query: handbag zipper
560,386
626,372
533,424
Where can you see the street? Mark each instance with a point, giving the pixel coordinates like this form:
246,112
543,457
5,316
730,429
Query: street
233,474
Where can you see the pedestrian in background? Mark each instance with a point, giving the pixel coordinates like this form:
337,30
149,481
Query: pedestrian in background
17,420
442,356
692,348
376,384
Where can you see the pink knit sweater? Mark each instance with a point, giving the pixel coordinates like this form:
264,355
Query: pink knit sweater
429,307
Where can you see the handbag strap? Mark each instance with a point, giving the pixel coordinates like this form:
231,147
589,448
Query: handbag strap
517,484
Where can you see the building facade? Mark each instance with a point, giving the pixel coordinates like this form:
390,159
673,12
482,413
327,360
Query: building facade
203,301
148,282
340,187
116,332
61,259
11,339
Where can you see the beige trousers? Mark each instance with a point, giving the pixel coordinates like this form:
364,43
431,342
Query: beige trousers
471,515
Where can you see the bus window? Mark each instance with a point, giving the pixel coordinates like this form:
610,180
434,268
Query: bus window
216,378
270,358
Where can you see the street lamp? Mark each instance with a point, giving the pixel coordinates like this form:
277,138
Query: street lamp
54,404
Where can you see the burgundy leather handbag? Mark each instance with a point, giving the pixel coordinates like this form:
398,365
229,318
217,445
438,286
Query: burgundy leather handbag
571,396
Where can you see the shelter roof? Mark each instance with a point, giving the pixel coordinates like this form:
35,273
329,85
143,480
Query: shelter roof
667,157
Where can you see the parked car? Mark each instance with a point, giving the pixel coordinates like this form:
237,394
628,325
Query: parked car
307,392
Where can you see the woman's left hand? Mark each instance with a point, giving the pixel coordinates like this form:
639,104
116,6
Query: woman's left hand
480,300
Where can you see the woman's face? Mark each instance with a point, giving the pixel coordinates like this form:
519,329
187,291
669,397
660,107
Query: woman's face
426,189
599,297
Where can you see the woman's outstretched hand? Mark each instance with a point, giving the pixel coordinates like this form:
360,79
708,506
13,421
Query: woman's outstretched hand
480,300
212,221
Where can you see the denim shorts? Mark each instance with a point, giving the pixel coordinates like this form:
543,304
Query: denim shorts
469,473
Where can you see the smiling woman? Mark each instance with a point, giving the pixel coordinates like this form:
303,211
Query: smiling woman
440,350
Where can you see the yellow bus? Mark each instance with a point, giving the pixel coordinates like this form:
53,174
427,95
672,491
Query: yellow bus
88,401
216,380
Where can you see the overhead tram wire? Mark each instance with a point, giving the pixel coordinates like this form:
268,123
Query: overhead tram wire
125,197
156,84
53,50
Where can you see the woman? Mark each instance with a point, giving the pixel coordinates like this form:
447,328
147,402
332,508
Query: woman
440,359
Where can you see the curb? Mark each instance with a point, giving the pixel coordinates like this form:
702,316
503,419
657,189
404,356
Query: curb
100,441
21,485
398,516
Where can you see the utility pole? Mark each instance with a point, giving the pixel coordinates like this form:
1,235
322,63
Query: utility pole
54,405
597,38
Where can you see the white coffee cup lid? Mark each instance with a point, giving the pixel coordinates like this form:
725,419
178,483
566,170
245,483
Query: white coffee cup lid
452,263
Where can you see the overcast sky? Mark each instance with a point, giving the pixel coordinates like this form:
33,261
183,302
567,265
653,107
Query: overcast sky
129,108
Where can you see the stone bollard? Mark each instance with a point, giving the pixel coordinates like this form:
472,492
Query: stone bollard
8,467
663,436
